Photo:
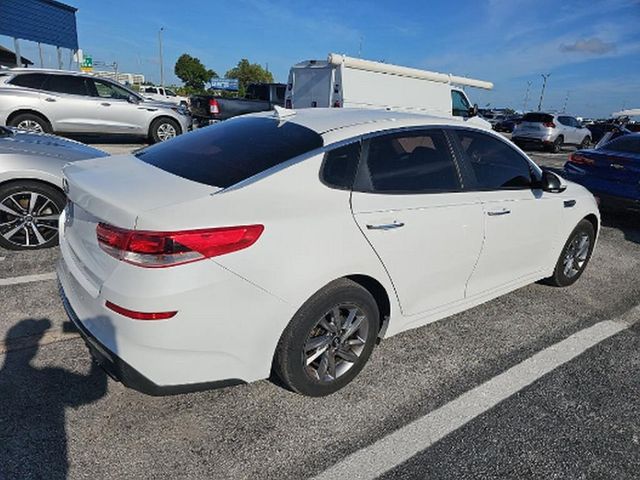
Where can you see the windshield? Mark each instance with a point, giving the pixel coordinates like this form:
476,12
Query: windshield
227,153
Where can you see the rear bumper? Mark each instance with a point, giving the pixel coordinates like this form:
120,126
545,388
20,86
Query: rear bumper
532,141
124,373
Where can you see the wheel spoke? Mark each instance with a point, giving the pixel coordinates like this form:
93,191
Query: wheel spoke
53,217
15,230
347,354
331,367
353,327
17,204
324,365
317,342
329,327
50,227
38,235
337,318
8,210
33,199
44,205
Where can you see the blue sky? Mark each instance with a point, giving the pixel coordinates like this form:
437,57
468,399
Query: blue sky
591,49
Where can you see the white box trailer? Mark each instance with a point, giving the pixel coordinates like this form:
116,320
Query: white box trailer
343,81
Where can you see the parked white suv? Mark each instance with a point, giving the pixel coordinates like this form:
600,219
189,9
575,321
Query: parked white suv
550,131
162,94
71,102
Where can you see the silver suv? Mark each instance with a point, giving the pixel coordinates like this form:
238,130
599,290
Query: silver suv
550,131
71,102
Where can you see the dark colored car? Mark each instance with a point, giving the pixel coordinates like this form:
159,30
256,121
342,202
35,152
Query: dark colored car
507,124
260,97
611,171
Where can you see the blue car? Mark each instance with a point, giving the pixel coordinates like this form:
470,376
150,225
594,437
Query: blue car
611,171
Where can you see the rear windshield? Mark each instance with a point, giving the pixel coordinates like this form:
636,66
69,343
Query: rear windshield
537,117
227,153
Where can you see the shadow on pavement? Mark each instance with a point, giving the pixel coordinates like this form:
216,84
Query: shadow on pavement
33,442
626,221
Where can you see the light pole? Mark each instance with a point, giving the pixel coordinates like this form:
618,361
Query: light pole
526,97
544,84
161,61
566,100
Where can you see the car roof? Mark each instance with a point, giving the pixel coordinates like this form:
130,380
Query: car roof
336,124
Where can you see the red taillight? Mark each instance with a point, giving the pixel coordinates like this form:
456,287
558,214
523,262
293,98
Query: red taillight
287,104
337,104
139,315
214,108
167,249
549,124
579,159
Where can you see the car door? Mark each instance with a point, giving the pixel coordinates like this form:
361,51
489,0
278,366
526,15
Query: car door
520,221
67,103
409,203
114,112
567,129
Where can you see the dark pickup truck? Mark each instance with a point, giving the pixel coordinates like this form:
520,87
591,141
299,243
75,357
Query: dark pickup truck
260,97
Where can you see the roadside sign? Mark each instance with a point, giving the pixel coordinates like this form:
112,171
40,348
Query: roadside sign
87,64
229,84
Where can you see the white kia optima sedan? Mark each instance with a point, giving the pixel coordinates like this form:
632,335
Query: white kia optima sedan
289,242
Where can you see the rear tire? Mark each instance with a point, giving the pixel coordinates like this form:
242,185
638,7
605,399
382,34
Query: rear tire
36,208
30,122
556,146
316,355
163,129
586,141
575,256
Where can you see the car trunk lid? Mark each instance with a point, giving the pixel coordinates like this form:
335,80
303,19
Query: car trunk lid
115,190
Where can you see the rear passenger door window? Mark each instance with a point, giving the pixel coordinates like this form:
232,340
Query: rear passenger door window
491,163
68,84
409,162
339,166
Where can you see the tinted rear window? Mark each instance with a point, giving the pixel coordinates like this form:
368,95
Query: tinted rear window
625,144
537,117
229,152
29,80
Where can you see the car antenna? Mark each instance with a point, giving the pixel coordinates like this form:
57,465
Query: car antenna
282,113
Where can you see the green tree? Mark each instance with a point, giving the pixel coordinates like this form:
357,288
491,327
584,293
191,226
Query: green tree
192,72
247,73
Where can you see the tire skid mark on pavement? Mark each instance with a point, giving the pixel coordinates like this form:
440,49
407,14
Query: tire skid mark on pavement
28,341
415,437
39,277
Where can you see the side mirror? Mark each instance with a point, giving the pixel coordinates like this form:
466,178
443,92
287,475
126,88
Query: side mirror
133,99
473,111
552,183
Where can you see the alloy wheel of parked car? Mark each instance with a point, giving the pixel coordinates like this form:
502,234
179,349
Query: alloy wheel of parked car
30,122
164,129
329,340
556,146
586,141
575,255
29,216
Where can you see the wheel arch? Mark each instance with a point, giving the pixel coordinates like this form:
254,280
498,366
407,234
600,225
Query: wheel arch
23,179
160,117
593,219
380,295
31,111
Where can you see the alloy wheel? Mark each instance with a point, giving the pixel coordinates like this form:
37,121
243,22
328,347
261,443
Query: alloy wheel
28,219
166,131
576,255
335,344
30,125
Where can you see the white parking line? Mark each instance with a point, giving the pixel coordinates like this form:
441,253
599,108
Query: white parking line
400,446
40,277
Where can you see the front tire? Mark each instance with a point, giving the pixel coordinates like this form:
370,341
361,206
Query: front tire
29,213
163,129
574,256
329,340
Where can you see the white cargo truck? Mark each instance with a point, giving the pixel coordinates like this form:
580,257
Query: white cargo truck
343,81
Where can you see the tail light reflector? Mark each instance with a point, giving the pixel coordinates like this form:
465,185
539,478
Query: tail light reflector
549,124
580,159
214,108
287,104
167,249
139,315
337,104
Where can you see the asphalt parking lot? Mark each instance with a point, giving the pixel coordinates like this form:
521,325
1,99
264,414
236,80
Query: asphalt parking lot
540,383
